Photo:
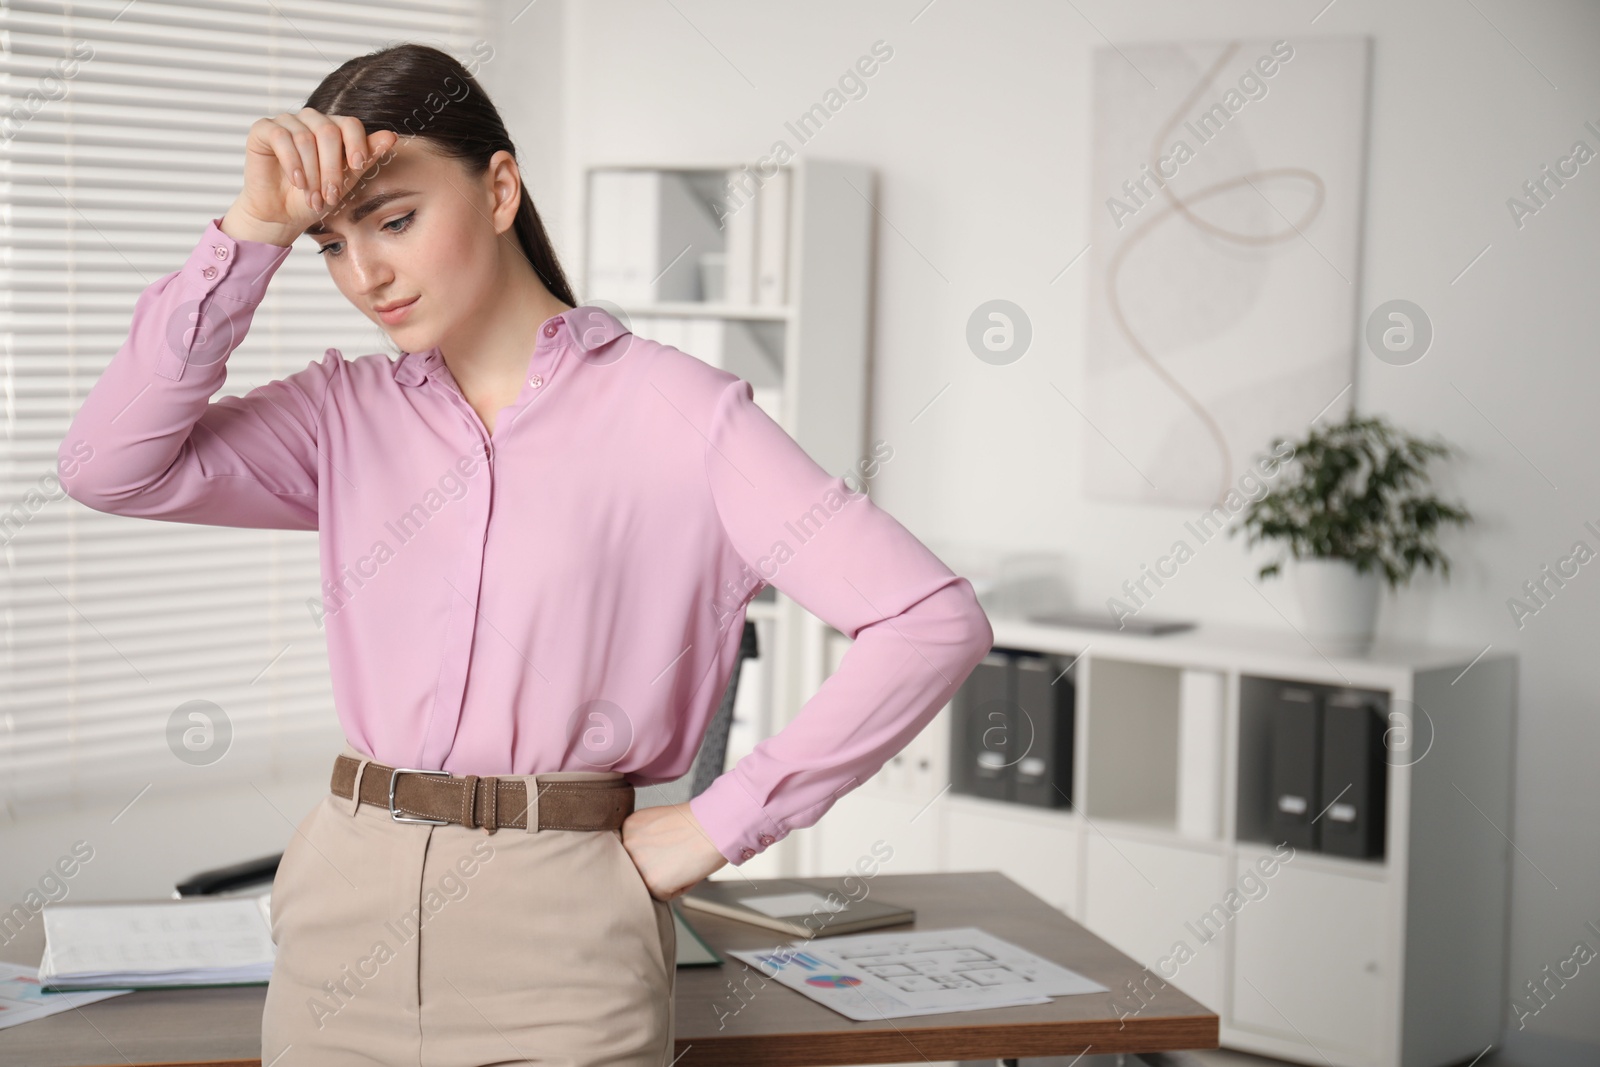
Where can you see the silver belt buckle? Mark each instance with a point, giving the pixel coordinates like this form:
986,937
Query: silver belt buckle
394,814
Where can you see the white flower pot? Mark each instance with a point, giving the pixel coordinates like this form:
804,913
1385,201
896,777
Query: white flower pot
1339,606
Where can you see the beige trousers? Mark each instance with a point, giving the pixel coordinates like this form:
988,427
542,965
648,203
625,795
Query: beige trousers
443,946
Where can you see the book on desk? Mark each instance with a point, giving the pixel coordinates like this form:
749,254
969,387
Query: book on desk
157,944
210,941
804,907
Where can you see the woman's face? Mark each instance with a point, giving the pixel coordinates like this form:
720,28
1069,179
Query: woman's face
415,245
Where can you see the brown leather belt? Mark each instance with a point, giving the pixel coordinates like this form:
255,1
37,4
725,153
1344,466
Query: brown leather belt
489,803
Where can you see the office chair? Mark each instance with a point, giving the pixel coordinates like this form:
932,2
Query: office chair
708,763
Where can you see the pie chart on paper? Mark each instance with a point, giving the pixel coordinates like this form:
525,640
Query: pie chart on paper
833,981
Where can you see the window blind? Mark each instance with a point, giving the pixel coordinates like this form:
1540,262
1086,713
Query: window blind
123,133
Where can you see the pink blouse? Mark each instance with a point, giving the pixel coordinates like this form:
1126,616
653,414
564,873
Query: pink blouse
567,593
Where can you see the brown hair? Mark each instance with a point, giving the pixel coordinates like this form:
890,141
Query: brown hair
416,90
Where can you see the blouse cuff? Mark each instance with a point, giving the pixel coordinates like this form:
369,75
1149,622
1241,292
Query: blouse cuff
198,331
235,268
738,826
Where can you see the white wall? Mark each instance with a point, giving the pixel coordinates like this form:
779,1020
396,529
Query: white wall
979,127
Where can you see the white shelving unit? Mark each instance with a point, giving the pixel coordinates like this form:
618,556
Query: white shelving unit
816,343
1390,962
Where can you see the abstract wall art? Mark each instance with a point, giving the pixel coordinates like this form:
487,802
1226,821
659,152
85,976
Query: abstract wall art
1225,242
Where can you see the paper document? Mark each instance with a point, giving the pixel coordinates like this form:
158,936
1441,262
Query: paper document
918,972
21,999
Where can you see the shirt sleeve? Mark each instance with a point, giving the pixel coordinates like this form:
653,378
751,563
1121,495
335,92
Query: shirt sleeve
147,440
917,627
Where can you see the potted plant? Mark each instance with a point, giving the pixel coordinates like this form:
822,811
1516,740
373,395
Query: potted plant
1352,508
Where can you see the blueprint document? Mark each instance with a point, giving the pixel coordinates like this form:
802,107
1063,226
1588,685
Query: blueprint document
917,972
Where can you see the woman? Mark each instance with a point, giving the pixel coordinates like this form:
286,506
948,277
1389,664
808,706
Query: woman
539,535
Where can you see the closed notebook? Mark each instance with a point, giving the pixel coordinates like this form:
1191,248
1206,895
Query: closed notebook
693,950
804,907
153,944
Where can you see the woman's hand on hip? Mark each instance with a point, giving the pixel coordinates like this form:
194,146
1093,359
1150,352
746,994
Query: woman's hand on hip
670,848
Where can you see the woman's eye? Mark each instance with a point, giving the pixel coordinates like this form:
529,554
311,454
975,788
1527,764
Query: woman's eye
399,225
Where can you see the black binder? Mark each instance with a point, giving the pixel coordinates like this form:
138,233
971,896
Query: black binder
1042,756
984,720
1296,735
1354,776
1011,738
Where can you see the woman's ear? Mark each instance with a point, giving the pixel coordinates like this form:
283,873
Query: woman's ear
504,180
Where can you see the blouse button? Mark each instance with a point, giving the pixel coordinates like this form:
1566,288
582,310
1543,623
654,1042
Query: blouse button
747,853
220,250
550,329
536,381
765,839
209,272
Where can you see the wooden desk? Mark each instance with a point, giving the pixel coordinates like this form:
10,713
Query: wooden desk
775,1026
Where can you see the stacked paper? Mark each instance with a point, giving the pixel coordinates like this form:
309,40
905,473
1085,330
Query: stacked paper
152,944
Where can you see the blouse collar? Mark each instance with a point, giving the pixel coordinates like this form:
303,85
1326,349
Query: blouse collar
588,326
